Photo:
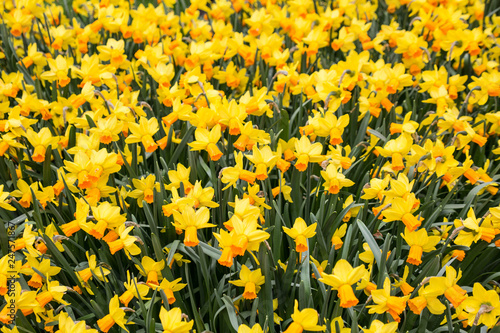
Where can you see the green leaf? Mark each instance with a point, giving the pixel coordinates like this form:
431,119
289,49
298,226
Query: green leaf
371,242
231,312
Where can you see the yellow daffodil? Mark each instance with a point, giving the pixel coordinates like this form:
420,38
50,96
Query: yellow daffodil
190,221
172,321
207,140
384,302
116,316
251,280
419,242
342,279
306,153
300,232
304,320
170,287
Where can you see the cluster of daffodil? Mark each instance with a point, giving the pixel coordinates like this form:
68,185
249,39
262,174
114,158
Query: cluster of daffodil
249,166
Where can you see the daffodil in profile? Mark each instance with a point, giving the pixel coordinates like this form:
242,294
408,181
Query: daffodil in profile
125,241
116,316
133,288
169,287
405,287
448,285
66,324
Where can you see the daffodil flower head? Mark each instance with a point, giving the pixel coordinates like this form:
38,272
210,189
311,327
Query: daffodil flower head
300,232
251,280
304,320
342,279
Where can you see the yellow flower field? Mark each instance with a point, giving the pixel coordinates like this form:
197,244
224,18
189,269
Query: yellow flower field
249,166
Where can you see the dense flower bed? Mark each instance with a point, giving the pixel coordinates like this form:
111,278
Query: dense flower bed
249,166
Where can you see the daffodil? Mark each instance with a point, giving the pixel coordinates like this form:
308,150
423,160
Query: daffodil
300,232
80,222
100,271
43,267
246,329
51,291
401,210
107,216
13,269
397,150
41,141
133,288
151,270
25,301
337,236
170,287
125,241
306,153
246,235
190,221
108,129
143,132
483,307
144,189
427,298
251,280
116,316
405,287
419,242
172,321
207,140
285,189
67,325
384,302
114,52
230,175
471,232
232,114
3,200
264,161
179,112
225,240
58,70
342,279
334,179
379,327
304,320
